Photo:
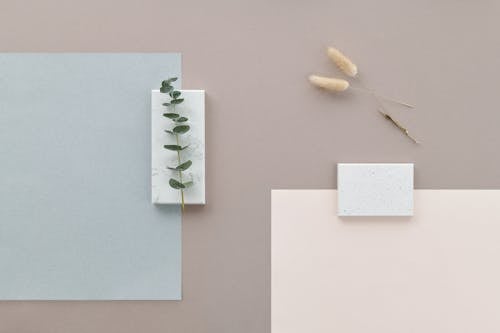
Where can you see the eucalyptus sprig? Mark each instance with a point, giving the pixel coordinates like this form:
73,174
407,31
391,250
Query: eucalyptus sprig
179,127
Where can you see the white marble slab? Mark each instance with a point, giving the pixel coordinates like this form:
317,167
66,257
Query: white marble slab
193,107
375,189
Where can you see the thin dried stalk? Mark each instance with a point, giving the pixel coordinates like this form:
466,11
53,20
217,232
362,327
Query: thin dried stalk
344,63
329,83
398,125
394,101
370,91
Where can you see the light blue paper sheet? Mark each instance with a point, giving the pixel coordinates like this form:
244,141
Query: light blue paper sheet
76,219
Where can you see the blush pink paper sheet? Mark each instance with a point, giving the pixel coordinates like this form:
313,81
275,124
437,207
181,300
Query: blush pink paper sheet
438,271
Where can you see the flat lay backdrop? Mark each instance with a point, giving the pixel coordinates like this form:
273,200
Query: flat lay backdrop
268,128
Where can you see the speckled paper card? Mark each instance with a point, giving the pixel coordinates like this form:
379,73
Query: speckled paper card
375,189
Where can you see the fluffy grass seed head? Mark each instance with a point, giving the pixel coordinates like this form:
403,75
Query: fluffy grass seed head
329,83
344,63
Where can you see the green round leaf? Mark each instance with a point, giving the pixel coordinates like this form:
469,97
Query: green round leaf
181,167
174,94
166,89
168,81
176,184
171,115
181,120
184,166
177,101
181,129
173,147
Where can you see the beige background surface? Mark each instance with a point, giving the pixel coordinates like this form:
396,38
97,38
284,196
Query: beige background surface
268,128
433,272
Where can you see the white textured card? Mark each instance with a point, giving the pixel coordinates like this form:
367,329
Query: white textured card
193,107
375,189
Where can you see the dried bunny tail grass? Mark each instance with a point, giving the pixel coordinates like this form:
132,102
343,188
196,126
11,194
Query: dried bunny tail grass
344,63
328,83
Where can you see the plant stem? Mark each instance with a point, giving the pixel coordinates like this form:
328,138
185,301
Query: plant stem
180,172
372,92
178,128
179,163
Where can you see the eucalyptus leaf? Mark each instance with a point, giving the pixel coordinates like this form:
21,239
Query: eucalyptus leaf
181,129
173,147
171,115
181,119
177,101
166,89
181,167
174,94
169,132
166,104
188,184
165,83
176,184
184,166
